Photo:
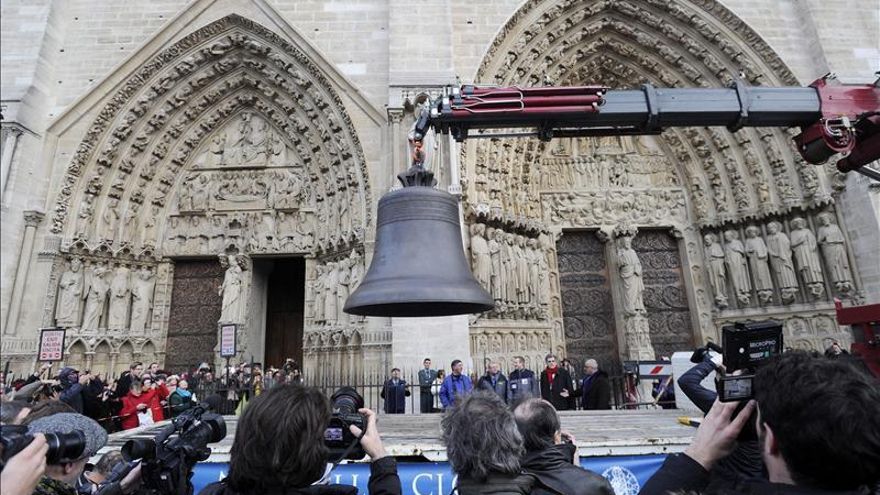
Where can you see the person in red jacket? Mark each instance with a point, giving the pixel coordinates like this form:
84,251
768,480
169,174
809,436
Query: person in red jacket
138,400
161,396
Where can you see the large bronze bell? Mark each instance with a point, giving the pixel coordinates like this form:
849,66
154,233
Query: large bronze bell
419,266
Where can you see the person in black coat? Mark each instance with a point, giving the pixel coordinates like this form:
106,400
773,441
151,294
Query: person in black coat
395,393
279,448
551,454
555,382
595,388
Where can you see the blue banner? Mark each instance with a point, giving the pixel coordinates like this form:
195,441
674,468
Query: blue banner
627,474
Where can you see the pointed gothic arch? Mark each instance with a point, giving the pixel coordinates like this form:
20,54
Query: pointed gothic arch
146,137
624,44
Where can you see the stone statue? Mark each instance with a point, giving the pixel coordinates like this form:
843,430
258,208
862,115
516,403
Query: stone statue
70,295
779,248
494,246
534,265
110,220
232,289
120,298
342,289
831,239
717,271
758,256
142,299
148,233
508,260
735,256
481,258
319,292
522,271
804,245
95,296
331,283
630,269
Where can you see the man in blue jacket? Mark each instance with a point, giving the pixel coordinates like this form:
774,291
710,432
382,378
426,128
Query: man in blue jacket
522,382
455,385
395,393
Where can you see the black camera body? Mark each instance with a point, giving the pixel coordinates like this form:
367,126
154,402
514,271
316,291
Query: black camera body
340,441
746,346
167,460
63,447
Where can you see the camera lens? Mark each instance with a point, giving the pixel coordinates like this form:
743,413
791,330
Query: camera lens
65,446
347,400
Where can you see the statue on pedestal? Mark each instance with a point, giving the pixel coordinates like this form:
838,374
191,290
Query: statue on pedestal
232,289
95,295
630,269
120,298
779,248
735,256
803,242
758,257
717,271
70,295
142,299
832,241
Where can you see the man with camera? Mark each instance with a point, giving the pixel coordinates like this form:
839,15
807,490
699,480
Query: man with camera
817,432
281,446
72,438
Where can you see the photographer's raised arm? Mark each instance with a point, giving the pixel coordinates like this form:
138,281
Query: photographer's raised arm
383,469
714,440
691,381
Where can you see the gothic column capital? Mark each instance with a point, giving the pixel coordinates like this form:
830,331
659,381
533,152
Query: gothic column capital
395,115
32,218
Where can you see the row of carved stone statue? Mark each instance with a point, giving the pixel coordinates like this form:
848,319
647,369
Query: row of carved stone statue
792,259
97,295
514,269
334,281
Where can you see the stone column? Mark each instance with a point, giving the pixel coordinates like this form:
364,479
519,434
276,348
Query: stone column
399,163
8,152
31,220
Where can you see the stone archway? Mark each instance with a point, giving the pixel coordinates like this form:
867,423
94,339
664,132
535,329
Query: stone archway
228,141
694,181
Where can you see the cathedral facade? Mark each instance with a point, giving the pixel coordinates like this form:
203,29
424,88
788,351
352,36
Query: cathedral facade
167,168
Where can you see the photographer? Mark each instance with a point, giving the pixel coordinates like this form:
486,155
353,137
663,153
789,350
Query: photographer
745,461
61,476
102,479
817,429
23,471
279,448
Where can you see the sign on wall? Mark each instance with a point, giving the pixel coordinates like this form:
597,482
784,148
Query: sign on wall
228,333
51,344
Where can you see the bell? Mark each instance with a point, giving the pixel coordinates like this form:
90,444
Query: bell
419,266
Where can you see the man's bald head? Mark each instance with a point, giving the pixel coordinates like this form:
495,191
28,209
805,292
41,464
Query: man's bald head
538,423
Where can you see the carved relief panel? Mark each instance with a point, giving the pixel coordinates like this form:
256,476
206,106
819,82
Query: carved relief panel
665,297
587,303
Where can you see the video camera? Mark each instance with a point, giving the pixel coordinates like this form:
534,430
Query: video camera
167,459
63,447
341,443
745,347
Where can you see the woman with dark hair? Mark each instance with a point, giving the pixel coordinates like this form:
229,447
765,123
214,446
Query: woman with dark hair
484,447
279,448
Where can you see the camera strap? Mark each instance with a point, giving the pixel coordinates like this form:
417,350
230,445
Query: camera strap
349,449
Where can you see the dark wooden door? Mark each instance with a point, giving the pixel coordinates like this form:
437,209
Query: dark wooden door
665,296
195,309
284,312
587,308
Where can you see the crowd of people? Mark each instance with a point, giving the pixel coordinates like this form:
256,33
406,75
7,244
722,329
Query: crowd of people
555,384
144,395
811,428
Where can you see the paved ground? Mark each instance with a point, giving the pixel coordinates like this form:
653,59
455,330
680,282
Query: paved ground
597,433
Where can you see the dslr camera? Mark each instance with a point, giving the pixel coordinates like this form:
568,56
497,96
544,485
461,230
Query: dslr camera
340,442
745,347
63,447
168,458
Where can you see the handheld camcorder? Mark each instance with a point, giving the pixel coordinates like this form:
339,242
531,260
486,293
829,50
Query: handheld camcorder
168,458
745,347
63,447
340,442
